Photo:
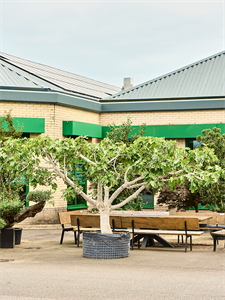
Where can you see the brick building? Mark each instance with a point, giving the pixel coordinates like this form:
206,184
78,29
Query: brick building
48,101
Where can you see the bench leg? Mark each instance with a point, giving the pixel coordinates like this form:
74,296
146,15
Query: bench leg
78,238
182,239
178,239
62,235
75,237
214,243
190,243
188,236
132,242
186,244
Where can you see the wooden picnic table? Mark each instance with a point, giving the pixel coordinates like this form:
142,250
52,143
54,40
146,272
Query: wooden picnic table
146,226
201,219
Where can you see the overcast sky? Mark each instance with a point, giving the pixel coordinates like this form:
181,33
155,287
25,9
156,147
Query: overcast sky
110,40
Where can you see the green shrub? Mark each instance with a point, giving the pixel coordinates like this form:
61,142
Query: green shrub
10,207
40,196
2,223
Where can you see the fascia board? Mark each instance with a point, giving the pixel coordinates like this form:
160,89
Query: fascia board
50,98
164,105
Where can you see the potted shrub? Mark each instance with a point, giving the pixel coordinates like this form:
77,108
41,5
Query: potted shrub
13,171
8,208
13,211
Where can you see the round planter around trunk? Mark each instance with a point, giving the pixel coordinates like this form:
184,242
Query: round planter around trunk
106,246
18,235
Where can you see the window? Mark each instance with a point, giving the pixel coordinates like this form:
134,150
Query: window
192,143
147,198
78,202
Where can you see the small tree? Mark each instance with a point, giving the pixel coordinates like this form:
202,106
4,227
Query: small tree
148,162
13,168
215,196
212,196
180,198
124,133
10,183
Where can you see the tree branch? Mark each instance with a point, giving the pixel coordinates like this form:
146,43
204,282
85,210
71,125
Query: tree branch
69,181
124,186
86,159
29,212
133,196
125,175
135,186
114,158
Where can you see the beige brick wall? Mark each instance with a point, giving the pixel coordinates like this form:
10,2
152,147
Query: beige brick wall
63,113
166,117
53,114
33,110
181,143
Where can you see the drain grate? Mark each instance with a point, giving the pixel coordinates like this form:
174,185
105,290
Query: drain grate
30,248
6,260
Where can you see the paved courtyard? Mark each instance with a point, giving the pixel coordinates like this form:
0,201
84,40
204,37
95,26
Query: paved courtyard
41,268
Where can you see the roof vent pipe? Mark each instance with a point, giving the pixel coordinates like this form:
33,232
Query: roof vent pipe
128,83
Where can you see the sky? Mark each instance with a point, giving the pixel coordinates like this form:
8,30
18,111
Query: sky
110,40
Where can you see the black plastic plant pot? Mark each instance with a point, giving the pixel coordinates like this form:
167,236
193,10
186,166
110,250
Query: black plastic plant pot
106,246
7,238
18,235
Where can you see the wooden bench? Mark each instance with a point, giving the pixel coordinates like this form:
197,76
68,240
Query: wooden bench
217,235
64,218
152,227
90,222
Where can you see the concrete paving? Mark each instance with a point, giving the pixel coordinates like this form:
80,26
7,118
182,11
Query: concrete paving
41,268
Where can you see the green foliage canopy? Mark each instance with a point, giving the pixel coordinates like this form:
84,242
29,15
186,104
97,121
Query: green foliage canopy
154,162
215,196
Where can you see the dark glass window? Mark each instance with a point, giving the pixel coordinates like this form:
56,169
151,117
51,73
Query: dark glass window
147,198
192,143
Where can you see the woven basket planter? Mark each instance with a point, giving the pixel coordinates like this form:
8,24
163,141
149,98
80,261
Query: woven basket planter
106,246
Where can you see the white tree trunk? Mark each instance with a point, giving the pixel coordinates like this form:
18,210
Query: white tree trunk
104,220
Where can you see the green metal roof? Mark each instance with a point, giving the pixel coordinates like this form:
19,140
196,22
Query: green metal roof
204,78
19,72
